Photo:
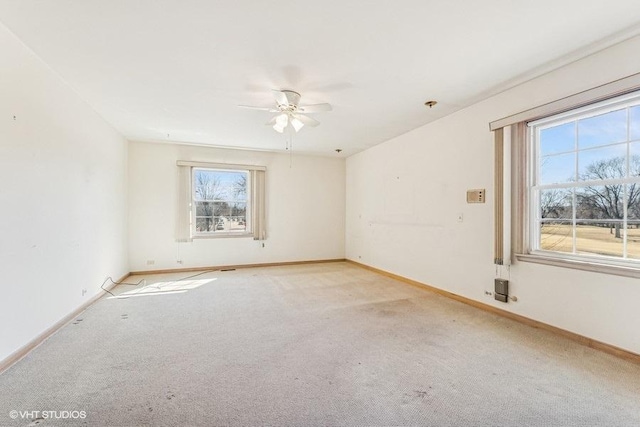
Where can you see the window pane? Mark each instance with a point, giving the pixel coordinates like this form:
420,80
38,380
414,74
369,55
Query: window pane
207,185
634,122
558,169
238,217
600,202
204,225
229,217
233,185
556,203
558,139
603,202
633,201
556,236
634,159
221,224
221,209
633,239
602,129
204,209
603,163
220,185
602,238
633,222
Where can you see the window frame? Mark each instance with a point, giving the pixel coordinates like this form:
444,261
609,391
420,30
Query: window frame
529,201
185,214
248,231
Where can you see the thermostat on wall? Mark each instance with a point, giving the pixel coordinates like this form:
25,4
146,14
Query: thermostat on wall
475,196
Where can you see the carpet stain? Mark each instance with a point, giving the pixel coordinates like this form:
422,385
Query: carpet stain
416,396
422,394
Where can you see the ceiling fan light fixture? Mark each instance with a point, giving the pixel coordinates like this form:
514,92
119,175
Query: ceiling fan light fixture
296,123
290,112
282,120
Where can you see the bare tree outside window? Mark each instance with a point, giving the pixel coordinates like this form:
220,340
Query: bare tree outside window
607,201
555,203
220,201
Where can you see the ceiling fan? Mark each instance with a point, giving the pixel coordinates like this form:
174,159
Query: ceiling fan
290,112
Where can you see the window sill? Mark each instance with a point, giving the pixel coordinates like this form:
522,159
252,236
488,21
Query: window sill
222,236
595,266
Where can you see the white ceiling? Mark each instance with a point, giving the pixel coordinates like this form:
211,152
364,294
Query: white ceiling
176,70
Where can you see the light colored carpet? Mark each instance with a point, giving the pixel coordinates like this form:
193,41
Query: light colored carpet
323,344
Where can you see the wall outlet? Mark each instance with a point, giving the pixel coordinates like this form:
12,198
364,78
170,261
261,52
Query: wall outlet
179,261
84,292
151,261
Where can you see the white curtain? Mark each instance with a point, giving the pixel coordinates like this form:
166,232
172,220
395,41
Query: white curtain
258,206
183,217
502,196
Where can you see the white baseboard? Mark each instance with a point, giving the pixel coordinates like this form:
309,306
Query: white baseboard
24,350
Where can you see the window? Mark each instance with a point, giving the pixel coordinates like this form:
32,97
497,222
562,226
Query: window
584,183
220,200
567,181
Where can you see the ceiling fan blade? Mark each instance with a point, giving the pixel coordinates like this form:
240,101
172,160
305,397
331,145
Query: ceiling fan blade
292,97
271,122
252,107
315,108
280,97
286,97
309,121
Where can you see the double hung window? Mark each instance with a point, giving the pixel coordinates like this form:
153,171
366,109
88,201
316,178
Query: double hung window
584,182
220,200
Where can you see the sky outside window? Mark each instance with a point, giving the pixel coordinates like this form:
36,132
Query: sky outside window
603,129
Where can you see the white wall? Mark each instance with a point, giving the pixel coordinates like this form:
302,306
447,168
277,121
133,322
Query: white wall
403,198
62,198
305,209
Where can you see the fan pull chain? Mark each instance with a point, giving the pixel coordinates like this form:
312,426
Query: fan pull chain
290,148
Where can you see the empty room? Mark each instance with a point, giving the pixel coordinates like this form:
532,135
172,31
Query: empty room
355,213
